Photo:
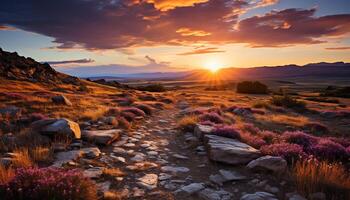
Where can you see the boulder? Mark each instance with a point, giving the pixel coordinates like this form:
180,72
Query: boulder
61,99
201,130
274,164
56,127
101,137
259,196
229,151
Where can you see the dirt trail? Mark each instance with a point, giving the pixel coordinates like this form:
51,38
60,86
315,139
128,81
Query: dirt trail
158,141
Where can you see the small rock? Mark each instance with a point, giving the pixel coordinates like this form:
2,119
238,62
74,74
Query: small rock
210,194
270,163
189,189
61,99
178,156
174,170
149,181
94,172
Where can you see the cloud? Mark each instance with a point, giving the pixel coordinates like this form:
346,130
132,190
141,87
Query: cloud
202,51
80,61
338,48
126,24
116,69
165,5
290,27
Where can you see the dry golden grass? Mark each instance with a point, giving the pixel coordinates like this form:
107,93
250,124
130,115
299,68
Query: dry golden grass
113,172
188,123
22,158
331,179
40,154
6,174
284,119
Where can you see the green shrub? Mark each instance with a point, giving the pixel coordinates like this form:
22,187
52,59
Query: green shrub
250,87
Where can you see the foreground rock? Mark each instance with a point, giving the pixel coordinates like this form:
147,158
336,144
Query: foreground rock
101,137
61,99
210,194
274,164
189,189
201,130
68,156
259,196
229,151
57,127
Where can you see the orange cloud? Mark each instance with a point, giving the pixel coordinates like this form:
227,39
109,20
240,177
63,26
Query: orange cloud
338,48
202,51
165,5
190,32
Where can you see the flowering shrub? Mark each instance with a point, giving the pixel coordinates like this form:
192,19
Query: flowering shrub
329,150
123,123
300,138
227,131
207,123
212,116
290,152
253,140
128,116
135,111
113,111
250,128
37,116
48,183
145,108
268,136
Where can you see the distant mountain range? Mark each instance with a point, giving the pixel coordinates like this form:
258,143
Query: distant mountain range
13,66
315,70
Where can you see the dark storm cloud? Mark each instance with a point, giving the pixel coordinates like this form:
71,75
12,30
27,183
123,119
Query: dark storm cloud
121,24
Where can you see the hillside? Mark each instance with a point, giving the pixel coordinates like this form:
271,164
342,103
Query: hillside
15,67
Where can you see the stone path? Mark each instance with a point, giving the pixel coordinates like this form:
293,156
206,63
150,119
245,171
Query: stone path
161,163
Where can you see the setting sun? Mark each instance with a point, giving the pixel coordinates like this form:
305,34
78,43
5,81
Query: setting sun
213,66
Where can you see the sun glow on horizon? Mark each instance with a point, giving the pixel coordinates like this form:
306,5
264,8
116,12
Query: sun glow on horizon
213,66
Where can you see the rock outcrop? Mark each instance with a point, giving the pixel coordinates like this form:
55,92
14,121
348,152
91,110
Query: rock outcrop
57,127
15,67
101,137
229,151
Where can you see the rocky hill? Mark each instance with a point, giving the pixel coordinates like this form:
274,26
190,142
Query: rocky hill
15,67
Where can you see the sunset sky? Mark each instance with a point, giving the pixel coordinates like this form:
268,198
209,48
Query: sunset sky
101,37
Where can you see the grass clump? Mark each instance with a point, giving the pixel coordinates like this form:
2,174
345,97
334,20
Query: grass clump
330,178
188,123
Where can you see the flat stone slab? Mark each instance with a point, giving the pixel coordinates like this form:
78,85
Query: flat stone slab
229,151
101,137
174,170
67,156
148,181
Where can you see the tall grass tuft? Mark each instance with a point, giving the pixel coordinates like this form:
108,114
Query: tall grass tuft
321,176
